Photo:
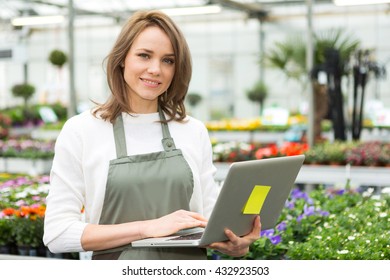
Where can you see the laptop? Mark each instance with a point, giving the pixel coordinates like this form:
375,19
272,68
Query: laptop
251,188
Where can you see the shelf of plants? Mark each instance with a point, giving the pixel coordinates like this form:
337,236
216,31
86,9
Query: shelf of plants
315,219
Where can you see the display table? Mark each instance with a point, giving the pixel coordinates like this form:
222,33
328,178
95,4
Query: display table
327,174
23,165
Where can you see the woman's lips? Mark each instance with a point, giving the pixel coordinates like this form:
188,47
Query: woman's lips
150,83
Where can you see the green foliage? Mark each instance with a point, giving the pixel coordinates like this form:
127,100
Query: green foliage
21,116
369,154
354,233
346,44
6,231
258,93
194,98
28,232
24,91
290,55
59,109
327,224
58,58
27,148
372,153
5,123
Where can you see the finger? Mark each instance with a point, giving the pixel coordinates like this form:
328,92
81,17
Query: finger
197,216
220,246
228,248
232,237
197,223
256,227
192,224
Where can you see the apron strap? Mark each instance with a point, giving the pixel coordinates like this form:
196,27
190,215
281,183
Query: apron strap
167,140
119,136
120,139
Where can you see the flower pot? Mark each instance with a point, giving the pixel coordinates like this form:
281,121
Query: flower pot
23,250
41,251
5,249
33,252
53,255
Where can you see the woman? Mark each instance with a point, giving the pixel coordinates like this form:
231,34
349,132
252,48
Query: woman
137,164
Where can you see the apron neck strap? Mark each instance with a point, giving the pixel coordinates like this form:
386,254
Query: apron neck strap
119,136
167,140
120,139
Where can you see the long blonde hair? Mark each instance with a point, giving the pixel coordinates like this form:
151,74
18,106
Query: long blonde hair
172,101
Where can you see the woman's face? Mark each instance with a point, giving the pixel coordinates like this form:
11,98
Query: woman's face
148,69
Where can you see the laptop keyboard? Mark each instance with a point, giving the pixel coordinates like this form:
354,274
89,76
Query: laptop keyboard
192,236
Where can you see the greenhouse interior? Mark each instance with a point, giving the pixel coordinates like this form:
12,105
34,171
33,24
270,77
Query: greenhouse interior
270,78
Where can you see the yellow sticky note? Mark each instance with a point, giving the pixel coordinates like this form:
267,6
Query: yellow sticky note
256,200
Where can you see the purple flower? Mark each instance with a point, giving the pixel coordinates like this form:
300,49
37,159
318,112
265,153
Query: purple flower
275,239
340,192
20,202
324,213
308,211
290,204
44,179
267,233
298,194
282,226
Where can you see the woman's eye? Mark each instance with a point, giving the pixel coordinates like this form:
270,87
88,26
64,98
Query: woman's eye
169,60
143,55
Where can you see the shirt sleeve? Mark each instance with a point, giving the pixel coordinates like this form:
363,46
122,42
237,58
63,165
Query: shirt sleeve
63,218
208,170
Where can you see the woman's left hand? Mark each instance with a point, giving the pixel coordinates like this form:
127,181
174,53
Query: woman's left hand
238,246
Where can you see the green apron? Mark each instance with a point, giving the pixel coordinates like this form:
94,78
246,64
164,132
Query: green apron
143,187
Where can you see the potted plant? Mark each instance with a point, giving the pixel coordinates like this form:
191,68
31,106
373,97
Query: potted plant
28,232
258,93
58,58
5,123
6,237
290,57
24,90
366,154
311,157
372,153
316,155
335,153
384,157
193,99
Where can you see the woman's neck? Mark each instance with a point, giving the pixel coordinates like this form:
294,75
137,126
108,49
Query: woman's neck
143,106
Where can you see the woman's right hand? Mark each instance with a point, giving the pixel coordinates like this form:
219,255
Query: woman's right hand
171,223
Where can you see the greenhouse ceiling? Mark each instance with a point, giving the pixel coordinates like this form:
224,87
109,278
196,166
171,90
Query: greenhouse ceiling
121,9
10,9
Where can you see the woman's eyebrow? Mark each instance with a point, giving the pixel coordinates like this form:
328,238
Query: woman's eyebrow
150,51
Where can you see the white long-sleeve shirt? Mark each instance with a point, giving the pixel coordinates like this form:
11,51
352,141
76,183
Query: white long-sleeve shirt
80,168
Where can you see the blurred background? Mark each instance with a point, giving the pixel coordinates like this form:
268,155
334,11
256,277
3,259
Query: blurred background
229,41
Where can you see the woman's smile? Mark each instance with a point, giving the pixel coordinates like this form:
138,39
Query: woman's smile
150,83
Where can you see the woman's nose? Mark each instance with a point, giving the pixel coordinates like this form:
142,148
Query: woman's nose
154,68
